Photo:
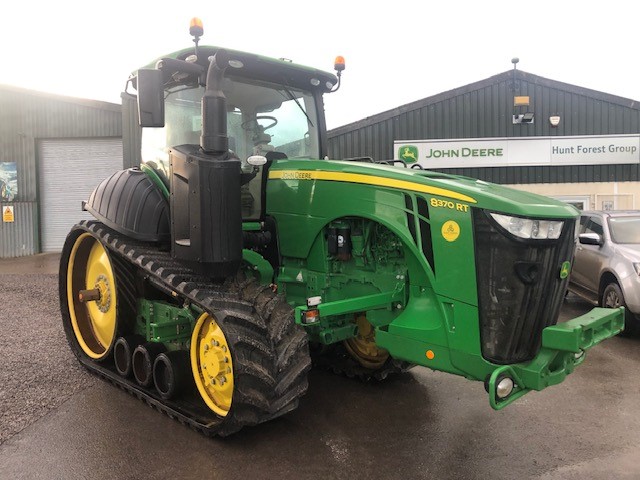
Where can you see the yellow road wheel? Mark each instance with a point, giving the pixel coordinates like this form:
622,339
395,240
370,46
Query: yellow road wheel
212,365
91,297
363,346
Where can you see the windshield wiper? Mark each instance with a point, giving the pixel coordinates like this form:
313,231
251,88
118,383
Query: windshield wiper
292,97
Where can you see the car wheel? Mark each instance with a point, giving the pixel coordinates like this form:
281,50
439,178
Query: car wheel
612,297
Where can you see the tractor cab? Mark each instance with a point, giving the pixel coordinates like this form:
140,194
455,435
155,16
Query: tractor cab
214,120
270,108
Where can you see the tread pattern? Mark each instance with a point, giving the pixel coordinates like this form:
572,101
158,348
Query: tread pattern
271,353
337,359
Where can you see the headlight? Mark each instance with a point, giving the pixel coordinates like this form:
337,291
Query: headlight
530,227
504,387
637,267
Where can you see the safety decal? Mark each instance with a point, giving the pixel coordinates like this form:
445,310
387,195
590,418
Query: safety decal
450,231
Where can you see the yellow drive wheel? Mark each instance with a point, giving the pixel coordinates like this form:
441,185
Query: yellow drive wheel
363,346
211,364
91,297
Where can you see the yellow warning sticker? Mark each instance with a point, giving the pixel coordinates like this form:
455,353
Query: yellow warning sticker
450,231
7,214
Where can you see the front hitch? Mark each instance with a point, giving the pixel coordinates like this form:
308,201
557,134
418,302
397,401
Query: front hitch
564,347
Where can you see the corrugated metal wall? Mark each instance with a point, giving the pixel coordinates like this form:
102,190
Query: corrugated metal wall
20,237
26,117
485,109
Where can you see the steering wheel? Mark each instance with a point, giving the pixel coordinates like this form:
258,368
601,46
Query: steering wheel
251,125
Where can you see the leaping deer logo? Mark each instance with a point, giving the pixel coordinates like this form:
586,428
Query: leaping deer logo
409,154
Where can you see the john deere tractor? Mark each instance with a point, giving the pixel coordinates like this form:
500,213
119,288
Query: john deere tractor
238,252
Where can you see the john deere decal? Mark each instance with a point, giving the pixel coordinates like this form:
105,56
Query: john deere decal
565,269
408,153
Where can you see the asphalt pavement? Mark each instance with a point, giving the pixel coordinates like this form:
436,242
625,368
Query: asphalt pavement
59,421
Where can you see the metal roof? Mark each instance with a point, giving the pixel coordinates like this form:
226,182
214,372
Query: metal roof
508,76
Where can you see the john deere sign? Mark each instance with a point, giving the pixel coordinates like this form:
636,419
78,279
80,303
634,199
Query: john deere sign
505,152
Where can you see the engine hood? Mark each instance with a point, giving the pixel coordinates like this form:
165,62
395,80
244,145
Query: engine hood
456,188
630,251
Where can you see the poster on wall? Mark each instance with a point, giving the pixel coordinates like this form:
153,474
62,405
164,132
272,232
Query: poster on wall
8,181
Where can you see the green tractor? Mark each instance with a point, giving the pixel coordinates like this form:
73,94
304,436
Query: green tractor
238,253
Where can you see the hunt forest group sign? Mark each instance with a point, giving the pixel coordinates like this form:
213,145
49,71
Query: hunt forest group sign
520,151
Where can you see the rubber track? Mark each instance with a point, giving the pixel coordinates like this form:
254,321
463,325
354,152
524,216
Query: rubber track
337,359
235,298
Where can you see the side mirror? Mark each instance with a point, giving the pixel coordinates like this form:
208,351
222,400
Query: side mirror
150,97
590,239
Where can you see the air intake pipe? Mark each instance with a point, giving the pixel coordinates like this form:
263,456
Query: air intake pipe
214,139
206,214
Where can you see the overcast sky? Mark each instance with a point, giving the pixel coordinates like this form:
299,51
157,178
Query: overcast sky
396,51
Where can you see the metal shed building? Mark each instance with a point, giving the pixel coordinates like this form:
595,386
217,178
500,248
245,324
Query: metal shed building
493,109
53,151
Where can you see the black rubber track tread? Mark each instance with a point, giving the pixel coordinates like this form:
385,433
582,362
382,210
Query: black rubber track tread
292,364
337,359
270,352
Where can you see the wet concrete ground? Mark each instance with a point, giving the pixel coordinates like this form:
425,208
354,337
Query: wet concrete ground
58,421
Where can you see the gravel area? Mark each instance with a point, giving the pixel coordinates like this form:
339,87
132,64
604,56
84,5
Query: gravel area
39,372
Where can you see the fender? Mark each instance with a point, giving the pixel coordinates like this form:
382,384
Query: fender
130,203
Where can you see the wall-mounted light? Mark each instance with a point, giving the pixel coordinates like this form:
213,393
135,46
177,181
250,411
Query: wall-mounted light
554,120
523,118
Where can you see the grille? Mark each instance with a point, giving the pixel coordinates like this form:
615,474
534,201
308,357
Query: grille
519,288
424,227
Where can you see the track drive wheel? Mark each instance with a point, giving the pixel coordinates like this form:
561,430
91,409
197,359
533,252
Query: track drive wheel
89,296
212,365
363,346
359,356
251,365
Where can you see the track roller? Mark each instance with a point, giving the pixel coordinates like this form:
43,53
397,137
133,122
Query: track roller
142,362
123,353
172,373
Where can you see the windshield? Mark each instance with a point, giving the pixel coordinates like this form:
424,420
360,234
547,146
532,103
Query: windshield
261,118
625,229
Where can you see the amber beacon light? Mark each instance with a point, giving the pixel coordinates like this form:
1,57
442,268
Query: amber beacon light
195,27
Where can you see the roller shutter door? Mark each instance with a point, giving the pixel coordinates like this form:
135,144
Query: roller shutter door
68,172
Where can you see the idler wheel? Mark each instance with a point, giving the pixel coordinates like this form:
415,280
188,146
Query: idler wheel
92,297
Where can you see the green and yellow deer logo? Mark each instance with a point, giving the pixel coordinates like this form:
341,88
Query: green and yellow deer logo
408,153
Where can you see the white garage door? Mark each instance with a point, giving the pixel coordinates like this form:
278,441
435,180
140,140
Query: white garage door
68,172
